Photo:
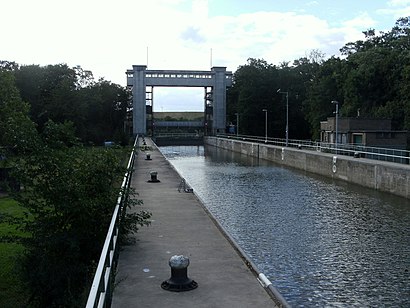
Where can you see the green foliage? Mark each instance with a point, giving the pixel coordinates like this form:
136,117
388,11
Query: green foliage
12,288
70,195
131,221
59,135
257,86
105,112
97,110
323,88
14,293
17,131
373,79
68,192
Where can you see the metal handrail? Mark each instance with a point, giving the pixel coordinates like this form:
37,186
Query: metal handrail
179,135
389,154
101,288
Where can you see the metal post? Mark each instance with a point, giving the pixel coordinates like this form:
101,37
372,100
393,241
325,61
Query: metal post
266,124
287,116
237,124
336,123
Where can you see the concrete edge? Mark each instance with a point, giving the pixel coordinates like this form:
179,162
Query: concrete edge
269,288
362,171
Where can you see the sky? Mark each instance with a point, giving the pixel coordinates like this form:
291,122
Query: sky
108,37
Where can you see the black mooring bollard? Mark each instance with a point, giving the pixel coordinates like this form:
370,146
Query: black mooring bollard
154,178
179,280
148,156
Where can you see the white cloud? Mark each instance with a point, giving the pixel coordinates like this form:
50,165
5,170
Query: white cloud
398,2
108,37
277,37
396,13
397,9
362,21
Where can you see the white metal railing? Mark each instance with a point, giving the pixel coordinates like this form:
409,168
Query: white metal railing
179,135
358,151
101,288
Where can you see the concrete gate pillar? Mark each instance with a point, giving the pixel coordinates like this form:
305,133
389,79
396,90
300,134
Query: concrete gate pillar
219,100
139,119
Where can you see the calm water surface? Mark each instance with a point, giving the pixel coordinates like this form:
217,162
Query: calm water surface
321,243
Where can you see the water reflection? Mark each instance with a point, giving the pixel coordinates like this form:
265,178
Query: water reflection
321,243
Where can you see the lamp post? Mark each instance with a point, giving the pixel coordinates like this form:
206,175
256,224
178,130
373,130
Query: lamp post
266,124
237,124
287,116
336,122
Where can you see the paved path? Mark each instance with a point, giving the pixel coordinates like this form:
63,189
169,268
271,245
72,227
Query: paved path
180,226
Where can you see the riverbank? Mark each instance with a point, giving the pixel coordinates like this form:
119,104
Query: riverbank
383,176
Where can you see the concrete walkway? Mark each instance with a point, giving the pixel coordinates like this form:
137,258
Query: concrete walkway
180,226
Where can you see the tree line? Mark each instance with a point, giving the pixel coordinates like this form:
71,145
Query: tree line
67,190
96,109
371,79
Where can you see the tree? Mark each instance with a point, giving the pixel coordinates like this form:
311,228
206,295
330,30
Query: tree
18,134
69,195
376,75
253,90
106,110
59,93
324,88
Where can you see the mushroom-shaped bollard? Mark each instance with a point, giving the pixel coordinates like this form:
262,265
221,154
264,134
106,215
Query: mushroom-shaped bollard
154,178
179,280
148,156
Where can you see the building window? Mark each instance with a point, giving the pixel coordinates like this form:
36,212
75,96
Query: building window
358,138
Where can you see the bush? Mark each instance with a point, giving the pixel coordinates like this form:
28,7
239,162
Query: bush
70,194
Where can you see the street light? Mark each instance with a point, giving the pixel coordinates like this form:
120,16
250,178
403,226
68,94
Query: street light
237,123
287,116
336,124
266,124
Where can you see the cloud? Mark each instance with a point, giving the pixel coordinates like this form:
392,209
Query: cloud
396,13
397,9
108,37
276,37
362,21
192,34
398,2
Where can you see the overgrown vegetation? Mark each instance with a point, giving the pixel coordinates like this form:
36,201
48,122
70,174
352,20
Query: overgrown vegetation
68,191
96,109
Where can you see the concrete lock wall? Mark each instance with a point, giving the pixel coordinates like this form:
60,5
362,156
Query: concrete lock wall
384,176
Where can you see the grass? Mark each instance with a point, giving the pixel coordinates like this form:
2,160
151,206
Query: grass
12,291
